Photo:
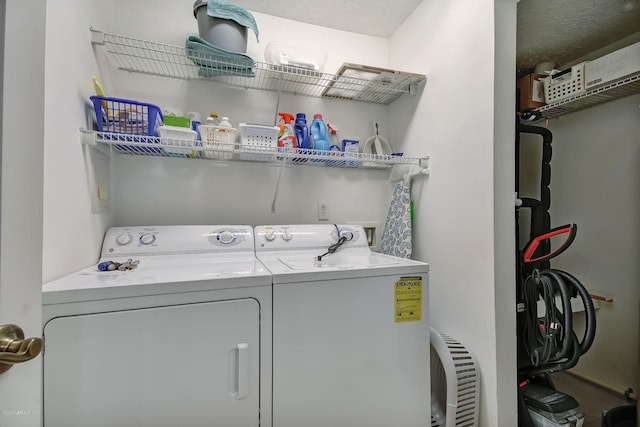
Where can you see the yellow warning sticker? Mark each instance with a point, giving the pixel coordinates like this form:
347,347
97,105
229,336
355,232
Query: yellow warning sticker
408,299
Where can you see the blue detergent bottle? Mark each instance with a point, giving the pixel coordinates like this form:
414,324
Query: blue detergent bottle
319,134
302,133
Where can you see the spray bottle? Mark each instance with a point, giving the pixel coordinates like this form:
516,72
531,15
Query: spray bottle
286,136
334,143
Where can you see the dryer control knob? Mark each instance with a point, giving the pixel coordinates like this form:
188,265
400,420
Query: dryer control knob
124,239
147,238
286,235
270,235
226,237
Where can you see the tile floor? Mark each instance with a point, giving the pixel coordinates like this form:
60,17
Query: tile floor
592,398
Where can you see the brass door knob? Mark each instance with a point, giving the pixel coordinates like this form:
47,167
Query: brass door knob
14,348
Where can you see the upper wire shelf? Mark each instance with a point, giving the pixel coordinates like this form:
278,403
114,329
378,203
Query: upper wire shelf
142,145
609,92
141,56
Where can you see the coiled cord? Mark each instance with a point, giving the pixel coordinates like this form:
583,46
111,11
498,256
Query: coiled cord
331,249
550,341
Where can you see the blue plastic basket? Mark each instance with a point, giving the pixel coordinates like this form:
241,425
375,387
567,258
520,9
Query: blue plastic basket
128,119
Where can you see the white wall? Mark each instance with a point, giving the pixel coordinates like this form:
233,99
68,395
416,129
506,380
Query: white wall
183,191
72,233
169,191
455,45
595,173
504,202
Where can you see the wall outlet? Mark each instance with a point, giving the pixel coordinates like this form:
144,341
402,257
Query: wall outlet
323,211
100,181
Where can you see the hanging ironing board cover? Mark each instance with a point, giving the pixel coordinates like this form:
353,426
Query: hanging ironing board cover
396,238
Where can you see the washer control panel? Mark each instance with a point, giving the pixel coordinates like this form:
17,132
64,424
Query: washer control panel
158,240
307,236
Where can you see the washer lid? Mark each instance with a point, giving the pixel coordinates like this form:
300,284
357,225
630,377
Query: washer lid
159,274
289,267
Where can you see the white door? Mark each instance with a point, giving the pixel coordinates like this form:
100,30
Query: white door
21,171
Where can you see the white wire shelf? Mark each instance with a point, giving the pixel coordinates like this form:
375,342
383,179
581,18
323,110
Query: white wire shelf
141,145
158,59
609,92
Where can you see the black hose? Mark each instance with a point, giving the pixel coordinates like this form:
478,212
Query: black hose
552,344
562,366
589,309
566,311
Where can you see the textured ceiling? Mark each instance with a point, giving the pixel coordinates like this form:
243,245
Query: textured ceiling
563,31
371,17
557,31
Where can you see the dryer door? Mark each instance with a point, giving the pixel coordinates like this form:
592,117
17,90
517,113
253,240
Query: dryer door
193,364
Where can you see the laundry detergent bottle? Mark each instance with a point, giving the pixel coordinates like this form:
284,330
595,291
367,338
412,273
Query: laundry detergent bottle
319,134
302,133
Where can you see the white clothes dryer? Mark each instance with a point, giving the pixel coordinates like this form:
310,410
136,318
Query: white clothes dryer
350,330
184,339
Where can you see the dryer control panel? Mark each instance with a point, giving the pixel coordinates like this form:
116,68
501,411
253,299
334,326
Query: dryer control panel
183,239
307,236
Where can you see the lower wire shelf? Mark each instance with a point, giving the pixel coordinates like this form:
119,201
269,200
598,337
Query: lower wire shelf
142,145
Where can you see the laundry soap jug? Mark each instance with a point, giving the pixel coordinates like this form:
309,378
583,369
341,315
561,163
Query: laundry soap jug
213,119
224,123
319,134
286,136
302,133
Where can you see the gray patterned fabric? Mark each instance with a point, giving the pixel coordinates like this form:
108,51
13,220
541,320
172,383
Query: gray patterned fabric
396,238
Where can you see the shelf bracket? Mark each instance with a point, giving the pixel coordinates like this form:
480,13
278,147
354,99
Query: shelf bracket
88,137
97,36
423,162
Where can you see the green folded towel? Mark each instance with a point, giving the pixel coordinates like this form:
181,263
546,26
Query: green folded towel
227,10
215,62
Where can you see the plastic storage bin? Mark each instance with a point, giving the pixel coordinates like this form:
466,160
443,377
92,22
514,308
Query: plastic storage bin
127,117
564,85
218,142
178,141
258,142
287,55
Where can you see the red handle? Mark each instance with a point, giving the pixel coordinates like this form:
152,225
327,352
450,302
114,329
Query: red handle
532,246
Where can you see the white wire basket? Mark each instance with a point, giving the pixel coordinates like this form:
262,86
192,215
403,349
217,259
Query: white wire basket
258,142
218,142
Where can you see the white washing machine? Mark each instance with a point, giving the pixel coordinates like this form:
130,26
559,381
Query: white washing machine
182,340
350,330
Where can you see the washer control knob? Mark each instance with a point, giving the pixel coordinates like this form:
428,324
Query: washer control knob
347,234
286,235
270,235
124,239
226,237
147,238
